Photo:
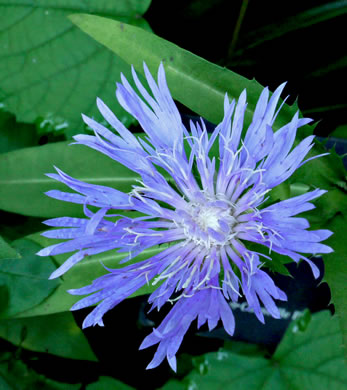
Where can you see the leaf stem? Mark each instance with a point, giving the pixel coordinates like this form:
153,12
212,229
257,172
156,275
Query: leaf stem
237,28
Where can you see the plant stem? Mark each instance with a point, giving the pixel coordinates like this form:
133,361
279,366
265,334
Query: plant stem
237,28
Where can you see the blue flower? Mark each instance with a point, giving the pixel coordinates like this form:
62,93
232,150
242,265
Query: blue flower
207,215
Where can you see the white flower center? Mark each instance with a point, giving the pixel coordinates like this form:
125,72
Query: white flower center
209,223
208,217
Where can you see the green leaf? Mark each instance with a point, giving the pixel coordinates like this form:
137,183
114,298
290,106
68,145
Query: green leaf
246,349
327,173
193,81
4,298
313,358
82,274
26,278
339,132
30,182
336,272
15,375
14,226
303,360
6,251
276,264
49,68
280,192
107,383
323,172
41,334
327,206
15,135
174,384
297,189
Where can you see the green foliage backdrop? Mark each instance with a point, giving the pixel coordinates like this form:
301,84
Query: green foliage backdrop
55,59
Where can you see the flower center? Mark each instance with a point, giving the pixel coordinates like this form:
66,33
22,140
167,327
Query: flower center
208,217
208,223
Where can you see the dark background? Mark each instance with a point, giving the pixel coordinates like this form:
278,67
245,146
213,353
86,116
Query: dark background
289,44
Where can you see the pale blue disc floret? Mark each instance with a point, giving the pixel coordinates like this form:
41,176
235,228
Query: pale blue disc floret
208,214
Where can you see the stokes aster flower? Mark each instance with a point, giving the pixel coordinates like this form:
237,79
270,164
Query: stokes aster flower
207,214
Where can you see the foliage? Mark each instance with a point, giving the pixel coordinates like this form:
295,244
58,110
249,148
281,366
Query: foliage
25,278
85,272
40,334
306,358
16,185
193,81
51,71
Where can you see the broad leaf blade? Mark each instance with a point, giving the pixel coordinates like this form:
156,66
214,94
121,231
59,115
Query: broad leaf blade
304,360
15,135
26,278
41,334
225,370
17,186
340,132
82,274
313,358
193,81
6,251
50,69
336,272
326,173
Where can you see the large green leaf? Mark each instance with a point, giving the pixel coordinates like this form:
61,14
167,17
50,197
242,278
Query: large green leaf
14,226
336,272
17,186
14,135
193,81
26,278
49,68
6,251
340,132
82,274
327,173
311,359
56,334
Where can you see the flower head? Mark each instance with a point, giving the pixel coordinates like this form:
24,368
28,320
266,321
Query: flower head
207,214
